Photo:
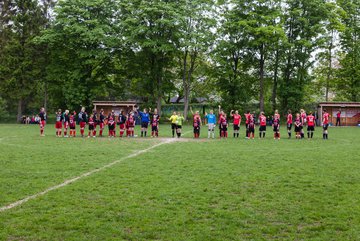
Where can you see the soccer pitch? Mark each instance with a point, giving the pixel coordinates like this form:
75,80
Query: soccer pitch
170,189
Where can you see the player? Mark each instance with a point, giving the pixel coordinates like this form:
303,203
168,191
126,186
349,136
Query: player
101,122
262,128
251,127
196,123
66,120
145,120
173,123
236,122
247,118
91,124
42,122
276,127
325,124
224,126
310,119
130,125
179,122
338,118
82,119
111,126
72,124
289,122
58,124
221,113
96,121
122,122
211,122
111,114
298,126
303,121
154,123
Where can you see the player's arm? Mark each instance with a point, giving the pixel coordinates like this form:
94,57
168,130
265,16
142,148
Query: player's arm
232,113
191,110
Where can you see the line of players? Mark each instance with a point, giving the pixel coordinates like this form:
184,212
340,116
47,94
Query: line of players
301,120
126,123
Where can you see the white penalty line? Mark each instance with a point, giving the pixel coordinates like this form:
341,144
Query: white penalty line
69,181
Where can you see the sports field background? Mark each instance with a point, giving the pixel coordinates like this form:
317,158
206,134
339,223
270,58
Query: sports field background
232,189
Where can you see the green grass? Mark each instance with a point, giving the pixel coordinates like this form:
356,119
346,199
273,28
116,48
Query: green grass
232,189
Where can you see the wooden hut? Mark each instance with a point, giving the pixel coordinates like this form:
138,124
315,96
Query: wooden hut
350,112
117,106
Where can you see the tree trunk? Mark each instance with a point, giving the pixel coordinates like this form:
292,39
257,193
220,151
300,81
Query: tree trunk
275,83
185,85
329,74
262,63
20,110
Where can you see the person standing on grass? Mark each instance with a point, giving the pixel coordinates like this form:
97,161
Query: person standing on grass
173,120
91,124
262,128
196,123
66,122
58,124
42,120
338,118
224,126
155,118
325,121
122,122
82,119
276,126
211,122
96,121
220,114
72,124
111,126
303,118
130,125
179,122
310,119
251,127
289,122
101,122
236,122
298,126
145,120
247,118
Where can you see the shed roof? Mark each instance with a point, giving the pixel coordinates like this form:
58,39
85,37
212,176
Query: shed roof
340,104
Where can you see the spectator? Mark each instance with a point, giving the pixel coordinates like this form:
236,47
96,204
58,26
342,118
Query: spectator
338,117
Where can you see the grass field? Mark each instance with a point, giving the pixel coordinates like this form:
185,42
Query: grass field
232,189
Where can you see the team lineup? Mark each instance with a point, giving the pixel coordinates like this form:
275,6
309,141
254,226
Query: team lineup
66,123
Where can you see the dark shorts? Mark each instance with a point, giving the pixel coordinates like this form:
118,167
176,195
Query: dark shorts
298,128
111,127
325,126
91,127
173,126
262,128
289,126
144,125
251,129
197,129
178,127
154,128
236,127
310,128
72,127
224,128
276,128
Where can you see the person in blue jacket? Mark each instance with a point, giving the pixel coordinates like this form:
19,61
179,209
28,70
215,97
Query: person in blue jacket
145,120
211,122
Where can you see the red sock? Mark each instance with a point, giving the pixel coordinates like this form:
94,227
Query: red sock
157,133
41,132
226,134
74,133
253,135
65,133
101,131
279,135
94,133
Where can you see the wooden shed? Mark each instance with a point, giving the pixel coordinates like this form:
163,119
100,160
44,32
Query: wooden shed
350,112
117,106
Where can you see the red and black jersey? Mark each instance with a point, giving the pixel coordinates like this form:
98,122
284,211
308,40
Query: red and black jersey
72,121
42,116
276,122
196,120
95,119
111,115
223,121
326,118
155,120
91,121
121,119
237,119
101,118
298,121
262,119
310,120
59,117
66,118
303,118
289,119
130,121
111,122
251,122
247,118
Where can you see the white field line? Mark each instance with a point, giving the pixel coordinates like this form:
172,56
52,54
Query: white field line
72,180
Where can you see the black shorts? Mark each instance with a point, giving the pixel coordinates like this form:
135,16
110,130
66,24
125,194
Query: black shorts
178,127
111,128
144,124
224,128
289,126
262,128
72,127
91,127
173,126
236,127
154,128
251,129
310,128
325,126
298,128
276,128
197,129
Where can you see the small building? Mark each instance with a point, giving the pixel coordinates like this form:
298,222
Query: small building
117,106
350,112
